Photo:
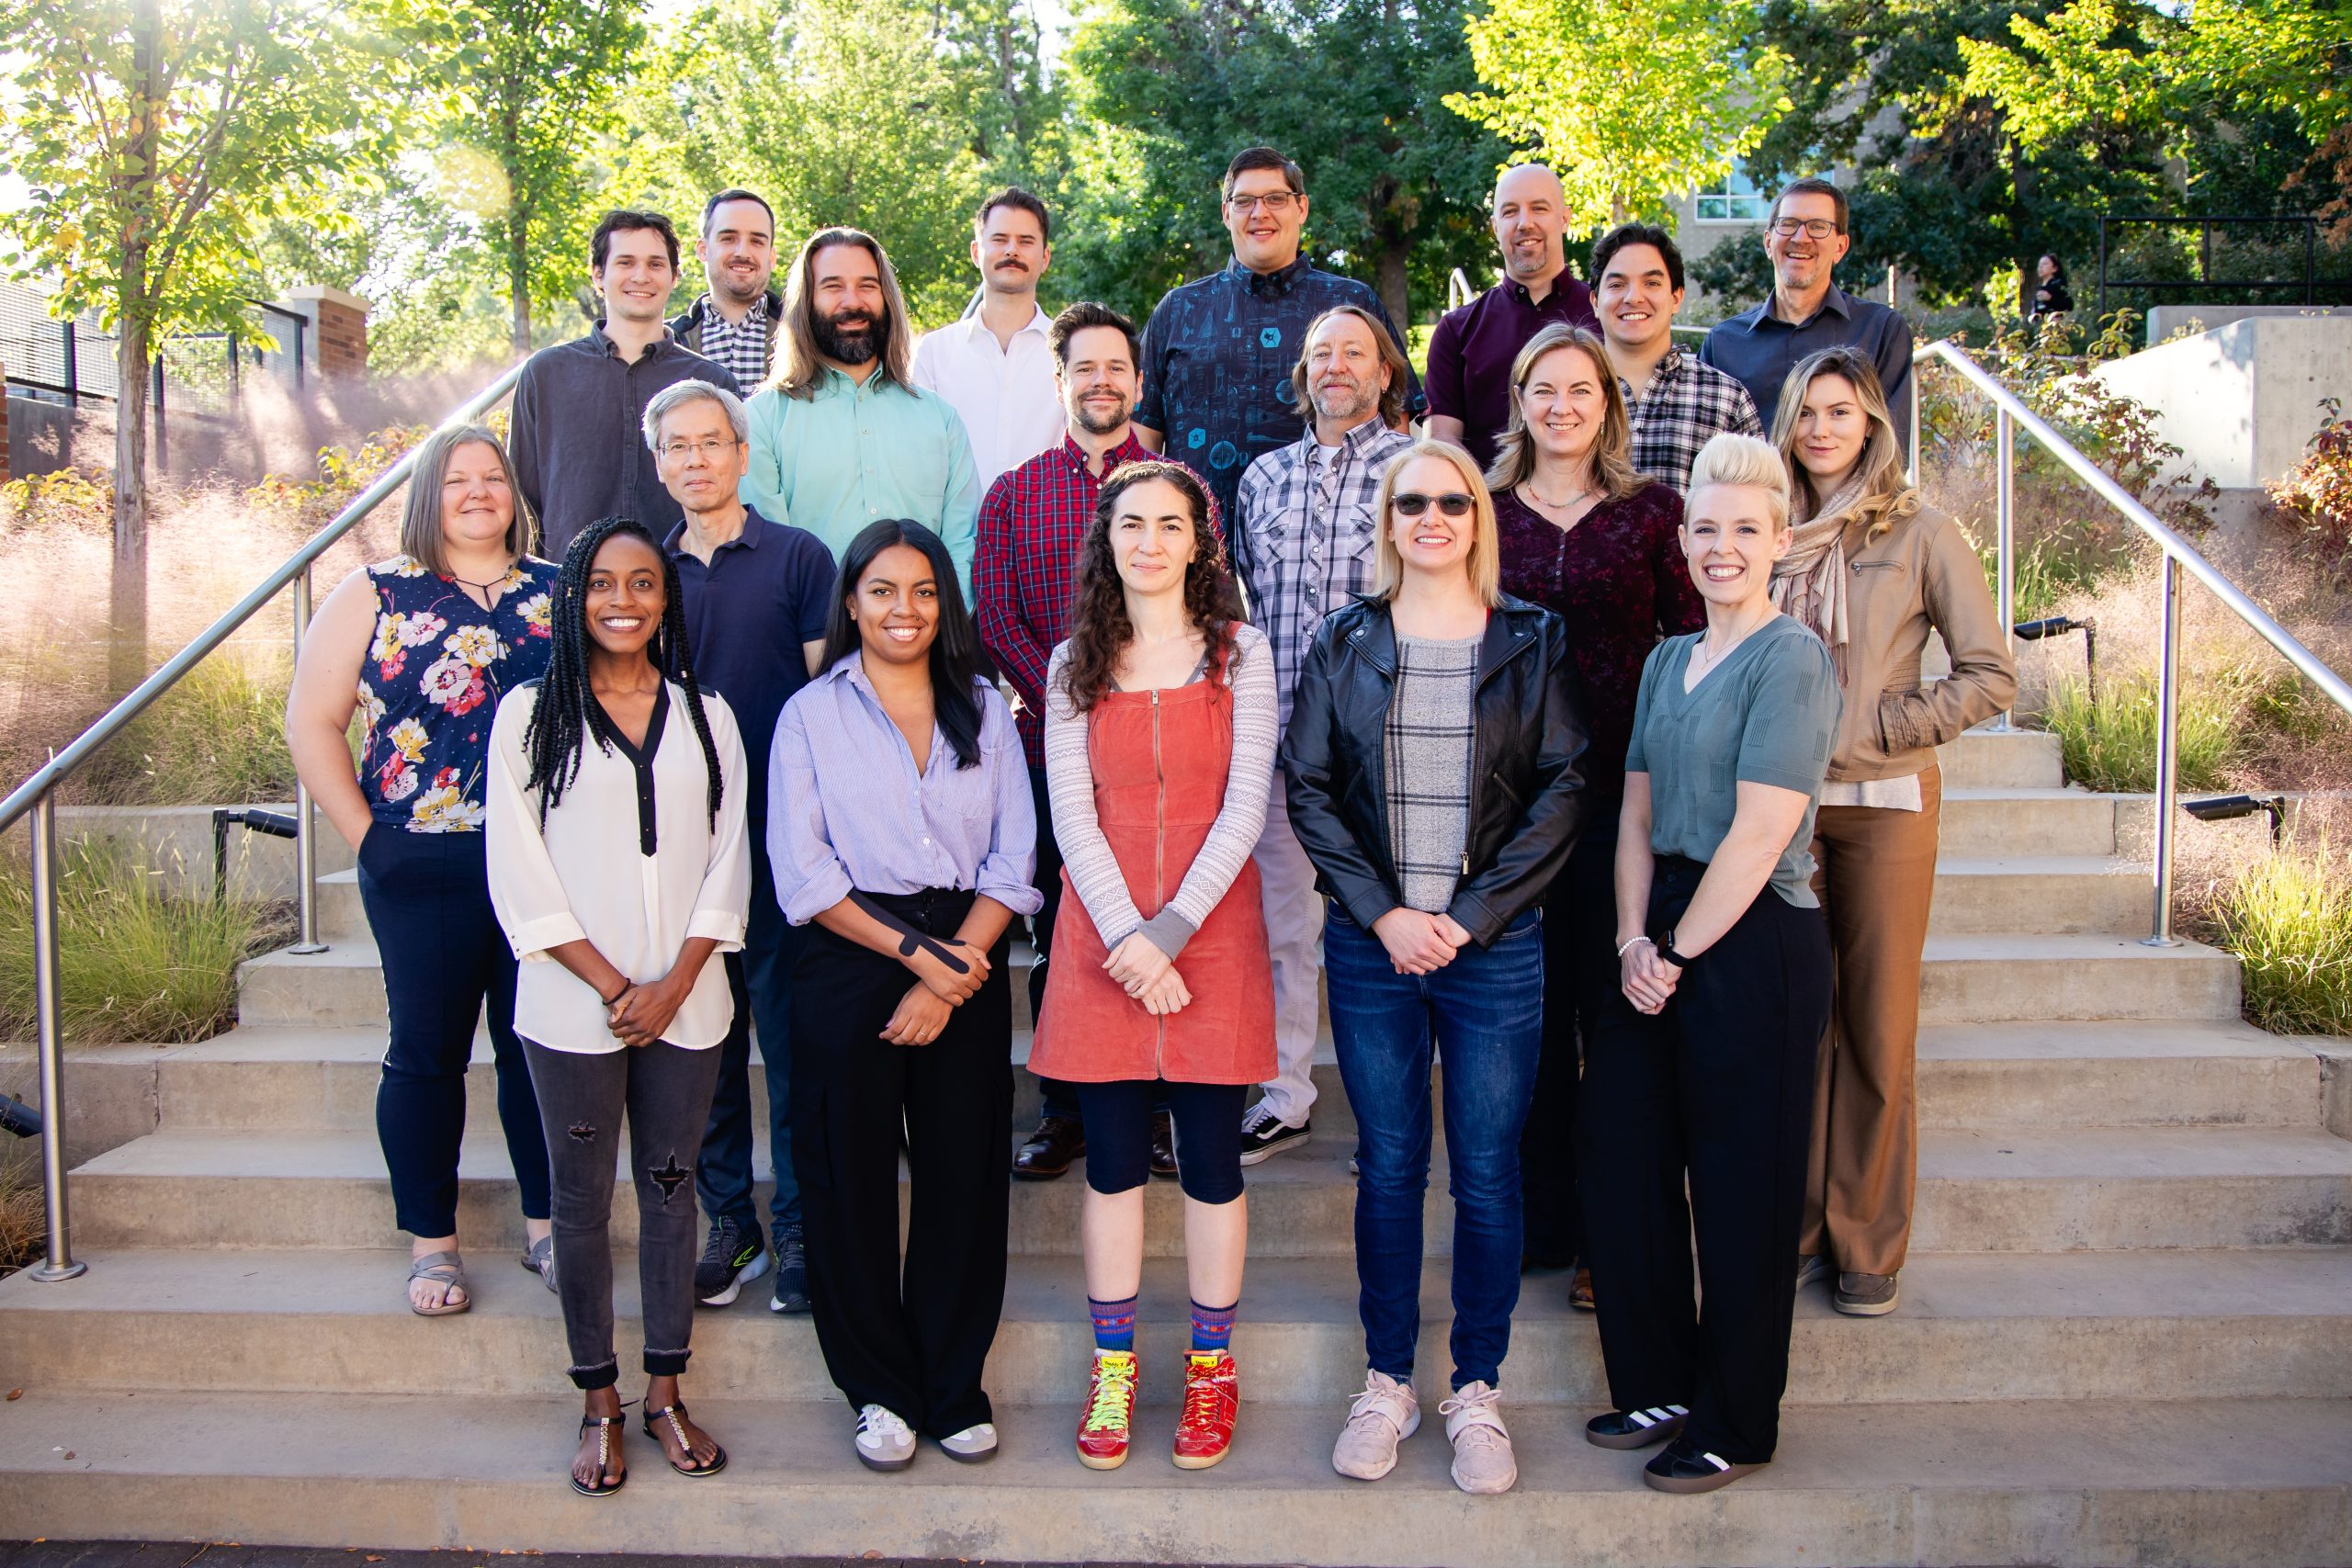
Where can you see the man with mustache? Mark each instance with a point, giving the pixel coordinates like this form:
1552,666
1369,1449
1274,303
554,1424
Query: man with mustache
1472,352
995,365
1676,405
1218,351
841,437
1805,236
1030,527
1303,545
734,323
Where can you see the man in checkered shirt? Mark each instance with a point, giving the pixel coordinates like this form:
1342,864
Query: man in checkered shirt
1676,403
1303,535
734,323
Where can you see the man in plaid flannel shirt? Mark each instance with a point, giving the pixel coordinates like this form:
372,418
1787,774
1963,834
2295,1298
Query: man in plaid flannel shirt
1024,572
734,323
1303,539
1677,403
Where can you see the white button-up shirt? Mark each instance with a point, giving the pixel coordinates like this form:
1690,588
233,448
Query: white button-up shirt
1011,406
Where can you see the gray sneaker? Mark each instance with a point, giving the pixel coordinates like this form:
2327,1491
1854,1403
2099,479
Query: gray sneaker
1868,1295
1811,1266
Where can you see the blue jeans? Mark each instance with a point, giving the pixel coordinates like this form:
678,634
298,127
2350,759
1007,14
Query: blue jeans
1484,1014
760,978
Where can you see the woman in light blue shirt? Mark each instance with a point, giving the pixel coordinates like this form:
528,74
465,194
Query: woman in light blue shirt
901,826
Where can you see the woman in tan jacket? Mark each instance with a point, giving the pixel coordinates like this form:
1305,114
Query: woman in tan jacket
1872,570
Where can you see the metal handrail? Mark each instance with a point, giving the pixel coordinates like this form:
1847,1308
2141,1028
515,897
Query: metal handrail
36,798
2179,554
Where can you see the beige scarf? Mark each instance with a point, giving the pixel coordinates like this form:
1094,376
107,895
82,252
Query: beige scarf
1809,582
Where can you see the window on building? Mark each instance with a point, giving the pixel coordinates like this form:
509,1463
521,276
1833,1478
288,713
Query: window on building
1733,199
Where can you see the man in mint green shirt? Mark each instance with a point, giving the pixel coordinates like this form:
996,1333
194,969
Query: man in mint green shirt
841,435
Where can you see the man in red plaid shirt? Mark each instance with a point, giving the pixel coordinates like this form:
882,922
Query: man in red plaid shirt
1024,572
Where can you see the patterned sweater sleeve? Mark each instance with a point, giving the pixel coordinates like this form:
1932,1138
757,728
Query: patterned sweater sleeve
1077,832
1248,780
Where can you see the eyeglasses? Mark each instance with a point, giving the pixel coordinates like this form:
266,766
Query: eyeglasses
708,448
1409,504
1813,227
1275,202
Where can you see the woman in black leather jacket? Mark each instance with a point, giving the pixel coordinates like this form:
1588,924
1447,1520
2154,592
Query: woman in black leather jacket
1431,767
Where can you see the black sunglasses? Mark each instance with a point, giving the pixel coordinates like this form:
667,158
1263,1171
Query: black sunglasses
1411,504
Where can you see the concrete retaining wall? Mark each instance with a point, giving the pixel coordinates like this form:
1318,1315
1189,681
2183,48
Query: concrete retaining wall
175,841
2241,401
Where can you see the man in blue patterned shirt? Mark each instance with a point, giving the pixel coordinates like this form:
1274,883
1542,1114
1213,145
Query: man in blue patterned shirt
1218,353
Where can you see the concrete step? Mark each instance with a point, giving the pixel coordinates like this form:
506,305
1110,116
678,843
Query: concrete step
2052,1076
2273,1323
2043,1191
2056,895
2016,758
2235,1484
340,915
1999,979
1990,822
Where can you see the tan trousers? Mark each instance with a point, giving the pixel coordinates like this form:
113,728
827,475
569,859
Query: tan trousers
1877,876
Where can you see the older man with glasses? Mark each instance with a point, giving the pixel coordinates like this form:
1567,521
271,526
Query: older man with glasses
1806,238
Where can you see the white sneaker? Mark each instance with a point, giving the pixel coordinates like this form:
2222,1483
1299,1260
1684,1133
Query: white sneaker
971,1445
1383,1416
1482,1456
883,1441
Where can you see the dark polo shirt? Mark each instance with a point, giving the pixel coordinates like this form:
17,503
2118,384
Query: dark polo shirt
1472,351
1758,349
765,593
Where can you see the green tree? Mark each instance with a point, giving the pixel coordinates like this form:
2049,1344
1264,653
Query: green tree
157,139
1634,102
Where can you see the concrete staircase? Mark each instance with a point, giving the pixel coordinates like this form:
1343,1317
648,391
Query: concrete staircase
2126,1334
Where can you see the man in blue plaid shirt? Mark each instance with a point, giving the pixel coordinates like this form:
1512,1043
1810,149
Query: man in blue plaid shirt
1677,403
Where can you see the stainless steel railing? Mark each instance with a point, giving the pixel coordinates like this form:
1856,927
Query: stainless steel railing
37,798
2012,415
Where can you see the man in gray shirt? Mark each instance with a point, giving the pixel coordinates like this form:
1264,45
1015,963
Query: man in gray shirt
1806,238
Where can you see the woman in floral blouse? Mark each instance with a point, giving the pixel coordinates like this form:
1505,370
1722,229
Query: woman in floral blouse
423,645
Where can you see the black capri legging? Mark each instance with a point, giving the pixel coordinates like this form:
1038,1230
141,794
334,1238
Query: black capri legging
1117,1117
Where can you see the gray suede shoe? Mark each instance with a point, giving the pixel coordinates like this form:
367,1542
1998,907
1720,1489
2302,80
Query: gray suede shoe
1868,1295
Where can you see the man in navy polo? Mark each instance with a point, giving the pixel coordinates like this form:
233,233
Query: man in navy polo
756,596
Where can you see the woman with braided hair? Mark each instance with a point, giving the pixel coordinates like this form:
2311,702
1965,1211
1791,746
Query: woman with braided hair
618,1006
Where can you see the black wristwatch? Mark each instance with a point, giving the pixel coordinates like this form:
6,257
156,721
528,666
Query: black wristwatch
1666,951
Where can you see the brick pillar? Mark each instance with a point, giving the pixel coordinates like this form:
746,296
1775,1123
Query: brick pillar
337,338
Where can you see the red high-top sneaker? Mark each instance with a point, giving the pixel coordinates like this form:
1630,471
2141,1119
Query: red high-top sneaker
1212,1399
1110,1411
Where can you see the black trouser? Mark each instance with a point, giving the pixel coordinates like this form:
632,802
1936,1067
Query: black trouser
427,898
664,1091
760,979
1717,1088
1579,974
913,1340
1208,1134
1061,1098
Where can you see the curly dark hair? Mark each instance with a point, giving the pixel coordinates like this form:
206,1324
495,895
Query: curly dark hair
1099,628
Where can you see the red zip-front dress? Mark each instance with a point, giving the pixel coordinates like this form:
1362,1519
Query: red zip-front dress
1160,760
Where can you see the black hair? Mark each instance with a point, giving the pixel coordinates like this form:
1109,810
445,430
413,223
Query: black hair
1014,196
1617,239
624,219
955,647
1076,319
567,709
1251,158
737,193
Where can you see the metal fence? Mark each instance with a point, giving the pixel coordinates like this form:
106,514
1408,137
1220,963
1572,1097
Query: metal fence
198,372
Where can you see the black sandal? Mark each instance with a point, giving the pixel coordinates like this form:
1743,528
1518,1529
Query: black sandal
677,1429
604,1425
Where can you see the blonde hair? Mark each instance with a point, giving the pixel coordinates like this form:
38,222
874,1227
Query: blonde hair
1730,459
421,539
1887,495
1484,564
1612,449
800,367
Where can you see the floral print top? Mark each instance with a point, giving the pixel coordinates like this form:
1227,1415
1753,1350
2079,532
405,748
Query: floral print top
430,685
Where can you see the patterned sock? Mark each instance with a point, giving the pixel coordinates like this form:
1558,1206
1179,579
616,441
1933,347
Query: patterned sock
1115,1323
1213,1326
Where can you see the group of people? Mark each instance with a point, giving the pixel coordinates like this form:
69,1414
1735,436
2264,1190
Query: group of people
1580,737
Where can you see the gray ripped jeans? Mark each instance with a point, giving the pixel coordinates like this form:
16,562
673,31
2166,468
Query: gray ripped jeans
666,1089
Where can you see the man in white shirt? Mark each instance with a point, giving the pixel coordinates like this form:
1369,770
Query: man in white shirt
996,365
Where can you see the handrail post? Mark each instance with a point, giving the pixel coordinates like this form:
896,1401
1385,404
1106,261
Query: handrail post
1912,383
2005,471
59,1264
2167,750
306,842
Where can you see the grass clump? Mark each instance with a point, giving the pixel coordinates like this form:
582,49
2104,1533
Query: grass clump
134,966
216,738
2288,916
2111,744
23,1223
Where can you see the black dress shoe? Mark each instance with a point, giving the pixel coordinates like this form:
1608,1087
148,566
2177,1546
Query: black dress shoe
1163,1145
1057,1141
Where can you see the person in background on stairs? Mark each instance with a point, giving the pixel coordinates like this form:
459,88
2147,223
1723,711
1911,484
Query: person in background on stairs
423,645
1698,1071
1160,749
1585,535
1874,572
901,826
619,865
1433,762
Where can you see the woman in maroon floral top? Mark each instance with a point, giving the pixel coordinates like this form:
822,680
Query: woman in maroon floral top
1584,535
